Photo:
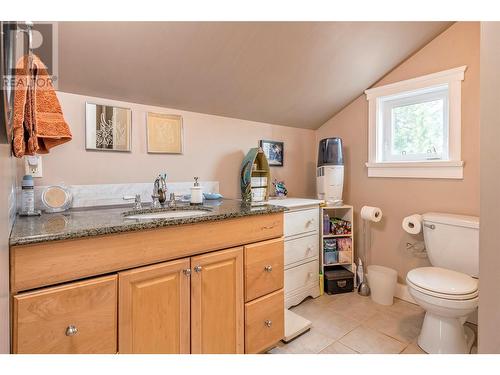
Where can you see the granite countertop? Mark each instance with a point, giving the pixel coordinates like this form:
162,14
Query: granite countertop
80,223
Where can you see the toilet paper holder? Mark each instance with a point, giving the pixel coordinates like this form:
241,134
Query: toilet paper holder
417,249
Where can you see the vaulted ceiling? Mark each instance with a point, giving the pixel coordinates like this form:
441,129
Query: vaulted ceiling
289,73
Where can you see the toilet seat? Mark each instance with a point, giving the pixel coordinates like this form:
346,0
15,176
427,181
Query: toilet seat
443,283
460,297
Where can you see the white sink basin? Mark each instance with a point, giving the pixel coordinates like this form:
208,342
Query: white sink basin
167,214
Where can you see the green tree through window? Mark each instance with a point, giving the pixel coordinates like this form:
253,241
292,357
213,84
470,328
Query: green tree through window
418,128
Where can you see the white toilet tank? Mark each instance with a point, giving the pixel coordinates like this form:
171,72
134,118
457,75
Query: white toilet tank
452,241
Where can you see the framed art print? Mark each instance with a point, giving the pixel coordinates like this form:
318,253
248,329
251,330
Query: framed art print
108,128
164,133
274,152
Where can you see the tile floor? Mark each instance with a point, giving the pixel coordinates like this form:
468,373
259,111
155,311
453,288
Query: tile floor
350,324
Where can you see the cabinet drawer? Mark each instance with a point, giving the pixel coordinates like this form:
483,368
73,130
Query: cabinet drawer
302,248
301,276
264,322
263,268
304,221
43,320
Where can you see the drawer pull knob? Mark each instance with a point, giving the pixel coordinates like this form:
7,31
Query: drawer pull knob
187,271
309,222
309,248
71,330
268,323
268,226
268,268
310,274
197,269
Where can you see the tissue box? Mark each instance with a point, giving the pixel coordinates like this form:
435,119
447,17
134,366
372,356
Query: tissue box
345,256
344,244
330,244
331,257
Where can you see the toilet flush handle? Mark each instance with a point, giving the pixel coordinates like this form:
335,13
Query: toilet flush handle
430,226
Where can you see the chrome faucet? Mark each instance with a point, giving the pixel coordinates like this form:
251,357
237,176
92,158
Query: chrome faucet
159,190
137,200
171,202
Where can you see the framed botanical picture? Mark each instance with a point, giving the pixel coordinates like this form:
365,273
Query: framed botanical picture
108,128
274,152
164,133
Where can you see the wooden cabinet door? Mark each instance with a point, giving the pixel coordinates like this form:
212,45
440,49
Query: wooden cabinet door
154,309
217,306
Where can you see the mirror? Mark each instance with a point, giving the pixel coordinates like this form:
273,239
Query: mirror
7,64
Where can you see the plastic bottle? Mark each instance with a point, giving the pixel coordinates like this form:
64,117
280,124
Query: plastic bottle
326,224
27,195
196,193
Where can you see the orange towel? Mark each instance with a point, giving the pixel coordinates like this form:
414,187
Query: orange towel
38,119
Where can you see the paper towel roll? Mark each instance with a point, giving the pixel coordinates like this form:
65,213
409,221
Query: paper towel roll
371,213
412,224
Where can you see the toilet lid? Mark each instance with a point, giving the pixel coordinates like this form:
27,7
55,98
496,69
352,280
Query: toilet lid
442,281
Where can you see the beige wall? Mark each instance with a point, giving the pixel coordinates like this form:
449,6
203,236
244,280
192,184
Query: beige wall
7,175
458,45
214,149
489,256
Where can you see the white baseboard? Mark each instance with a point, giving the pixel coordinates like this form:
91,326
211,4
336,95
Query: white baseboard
402,293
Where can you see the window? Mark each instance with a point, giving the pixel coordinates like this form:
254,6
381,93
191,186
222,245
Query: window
414,127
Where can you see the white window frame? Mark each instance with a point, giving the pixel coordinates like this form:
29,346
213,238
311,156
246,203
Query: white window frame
451,166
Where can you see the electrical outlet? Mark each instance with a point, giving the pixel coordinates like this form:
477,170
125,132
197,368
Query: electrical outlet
33,165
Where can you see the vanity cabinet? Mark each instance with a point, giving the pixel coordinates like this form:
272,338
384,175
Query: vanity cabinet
218,300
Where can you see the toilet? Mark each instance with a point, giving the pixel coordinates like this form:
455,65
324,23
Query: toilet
447,291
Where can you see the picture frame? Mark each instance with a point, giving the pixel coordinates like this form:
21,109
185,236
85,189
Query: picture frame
108,128
274,151
165,133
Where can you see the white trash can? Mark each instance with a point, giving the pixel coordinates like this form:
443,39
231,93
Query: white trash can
382,282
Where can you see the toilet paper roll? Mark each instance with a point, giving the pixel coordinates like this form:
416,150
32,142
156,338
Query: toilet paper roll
412,224
371,213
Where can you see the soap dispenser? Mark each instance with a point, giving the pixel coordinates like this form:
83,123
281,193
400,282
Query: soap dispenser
196,193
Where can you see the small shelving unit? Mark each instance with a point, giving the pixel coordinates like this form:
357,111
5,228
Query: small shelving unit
254,165
346,213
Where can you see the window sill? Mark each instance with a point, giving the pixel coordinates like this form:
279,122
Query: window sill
425,169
